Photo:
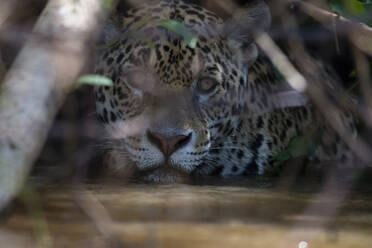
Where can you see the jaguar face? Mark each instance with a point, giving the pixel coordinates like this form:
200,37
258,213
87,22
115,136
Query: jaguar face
171,101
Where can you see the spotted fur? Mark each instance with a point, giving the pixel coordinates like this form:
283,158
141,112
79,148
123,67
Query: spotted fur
233,130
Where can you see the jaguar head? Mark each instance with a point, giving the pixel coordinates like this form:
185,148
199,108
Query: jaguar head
171,100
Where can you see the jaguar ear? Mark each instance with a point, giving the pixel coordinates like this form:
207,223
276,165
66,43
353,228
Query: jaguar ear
239,29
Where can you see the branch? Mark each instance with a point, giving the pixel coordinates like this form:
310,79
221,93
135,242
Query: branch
292,76
7,7
359,33
37,84
2,68
324,105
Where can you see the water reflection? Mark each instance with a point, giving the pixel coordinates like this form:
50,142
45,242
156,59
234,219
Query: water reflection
251,212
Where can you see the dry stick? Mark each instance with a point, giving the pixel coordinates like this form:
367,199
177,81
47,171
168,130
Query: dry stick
363,71
344,101
332,189
326,107
359,147
100,217
6,9
359,33
317,92
2,68
37,84
221,6
295,79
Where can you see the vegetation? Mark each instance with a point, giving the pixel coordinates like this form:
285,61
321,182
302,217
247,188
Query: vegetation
54,144
358,10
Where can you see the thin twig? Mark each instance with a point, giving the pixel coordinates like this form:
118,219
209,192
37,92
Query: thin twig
317,91
6,9
100,217
363,71
325,106
359,33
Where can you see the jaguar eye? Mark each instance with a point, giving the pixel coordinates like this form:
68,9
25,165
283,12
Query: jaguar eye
206,85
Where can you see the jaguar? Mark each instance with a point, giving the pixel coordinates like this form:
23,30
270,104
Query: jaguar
193,94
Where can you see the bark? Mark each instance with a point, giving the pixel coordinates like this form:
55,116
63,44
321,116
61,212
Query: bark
36,85
359,33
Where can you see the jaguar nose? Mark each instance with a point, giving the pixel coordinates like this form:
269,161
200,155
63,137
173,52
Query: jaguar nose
166,144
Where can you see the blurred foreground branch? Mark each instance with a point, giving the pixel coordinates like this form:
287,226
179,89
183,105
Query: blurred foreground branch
6,8
2,68
294,78
36,85
359,33
100,217
310,81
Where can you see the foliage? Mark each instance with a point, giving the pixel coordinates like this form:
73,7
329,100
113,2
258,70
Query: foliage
107,3
179,28
300,146
173,26
358,10
93,79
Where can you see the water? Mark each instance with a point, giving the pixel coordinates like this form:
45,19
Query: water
255,212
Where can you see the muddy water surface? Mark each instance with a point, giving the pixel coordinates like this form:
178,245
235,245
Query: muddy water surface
252,214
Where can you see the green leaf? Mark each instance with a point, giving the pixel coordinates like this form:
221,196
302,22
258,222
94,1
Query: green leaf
300,146
352,74
357,10
107,3
93,79
356,7
281,156
181,29
336,7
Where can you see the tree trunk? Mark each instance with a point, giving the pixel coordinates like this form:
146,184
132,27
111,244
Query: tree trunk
36,85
